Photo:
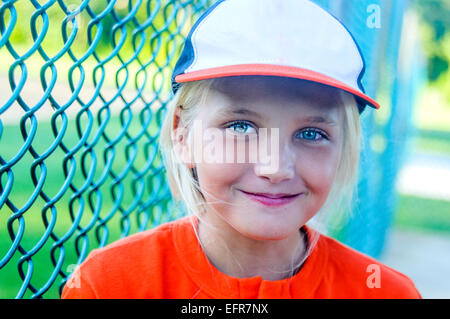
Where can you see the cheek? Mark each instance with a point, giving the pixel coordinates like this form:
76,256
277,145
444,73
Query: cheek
318,170
219,178
224,163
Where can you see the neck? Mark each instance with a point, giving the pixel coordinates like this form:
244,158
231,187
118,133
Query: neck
238,256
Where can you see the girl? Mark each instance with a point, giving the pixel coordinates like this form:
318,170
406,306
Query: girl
287,75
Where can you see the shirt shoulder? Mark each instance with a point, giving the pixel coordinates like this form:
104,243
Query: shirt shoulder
357,275
131,267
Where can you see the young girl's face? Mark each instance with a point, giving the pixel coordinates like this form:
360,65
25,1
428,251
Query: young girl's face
309,120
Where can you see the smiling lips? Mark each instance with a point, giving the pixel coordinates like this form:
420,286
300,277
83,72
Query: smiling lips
272,199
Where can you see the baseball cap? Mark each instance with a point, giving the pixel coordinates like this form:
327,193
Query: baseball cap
289,38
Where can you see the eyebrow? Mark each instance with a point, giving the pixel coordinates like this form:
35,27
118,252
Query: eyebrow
318,119
309,119
245,112
239,111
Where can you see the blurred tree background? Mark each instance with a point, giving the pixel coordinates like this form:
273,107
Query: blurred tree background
435,32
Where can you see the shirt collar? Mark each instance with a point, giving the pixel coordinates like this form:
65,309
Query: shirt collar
219,285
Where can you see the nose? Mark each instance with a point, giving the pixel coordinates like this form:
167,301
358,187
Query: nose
279,164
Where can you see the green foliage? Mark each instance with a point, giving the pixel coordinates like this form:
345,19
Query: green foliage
443,81
435,30
23,187
115,29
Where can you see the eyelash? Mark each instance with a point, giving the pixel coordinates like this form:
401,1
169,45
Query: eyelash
238,123
308,129
321,133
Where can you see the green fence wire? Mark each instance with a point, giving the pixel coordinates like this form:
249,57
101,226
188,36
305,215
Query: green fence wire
84,90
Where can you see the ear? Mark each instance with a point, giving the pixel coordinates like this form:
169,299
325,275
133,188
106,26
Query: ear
180,141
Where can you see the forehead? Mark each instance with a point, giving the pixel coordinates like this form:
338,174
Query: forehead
257,87
261,90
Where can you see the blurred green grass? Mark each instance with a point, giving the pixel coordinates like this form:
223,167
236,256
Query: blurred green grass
433,142
433,146
432,119
10,143
423,213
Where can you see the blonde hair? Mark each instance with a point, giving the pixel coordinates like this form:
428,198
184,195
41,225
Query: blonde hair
184,184
343,193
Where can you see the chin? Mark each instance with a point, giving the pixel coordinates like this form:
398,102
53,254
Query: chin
268,233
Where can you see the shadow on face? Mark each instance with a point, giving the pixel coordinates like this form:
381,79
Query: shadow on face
254,88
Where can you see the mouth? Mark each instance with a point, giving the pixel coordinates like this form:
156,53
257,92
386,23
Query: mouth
272,199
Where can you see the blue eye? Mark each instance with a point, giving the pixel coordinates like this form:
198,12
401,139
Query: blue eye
312,135
241,127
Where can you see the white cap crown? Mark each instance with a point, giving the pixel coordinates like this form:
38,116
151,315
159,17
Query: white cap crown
240,36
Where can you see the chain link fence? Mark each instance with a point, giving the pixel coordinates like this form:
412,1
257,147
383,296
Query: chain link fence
85,85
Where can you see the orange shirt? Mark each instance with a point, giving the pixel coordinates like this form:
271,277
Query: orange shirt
168,262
